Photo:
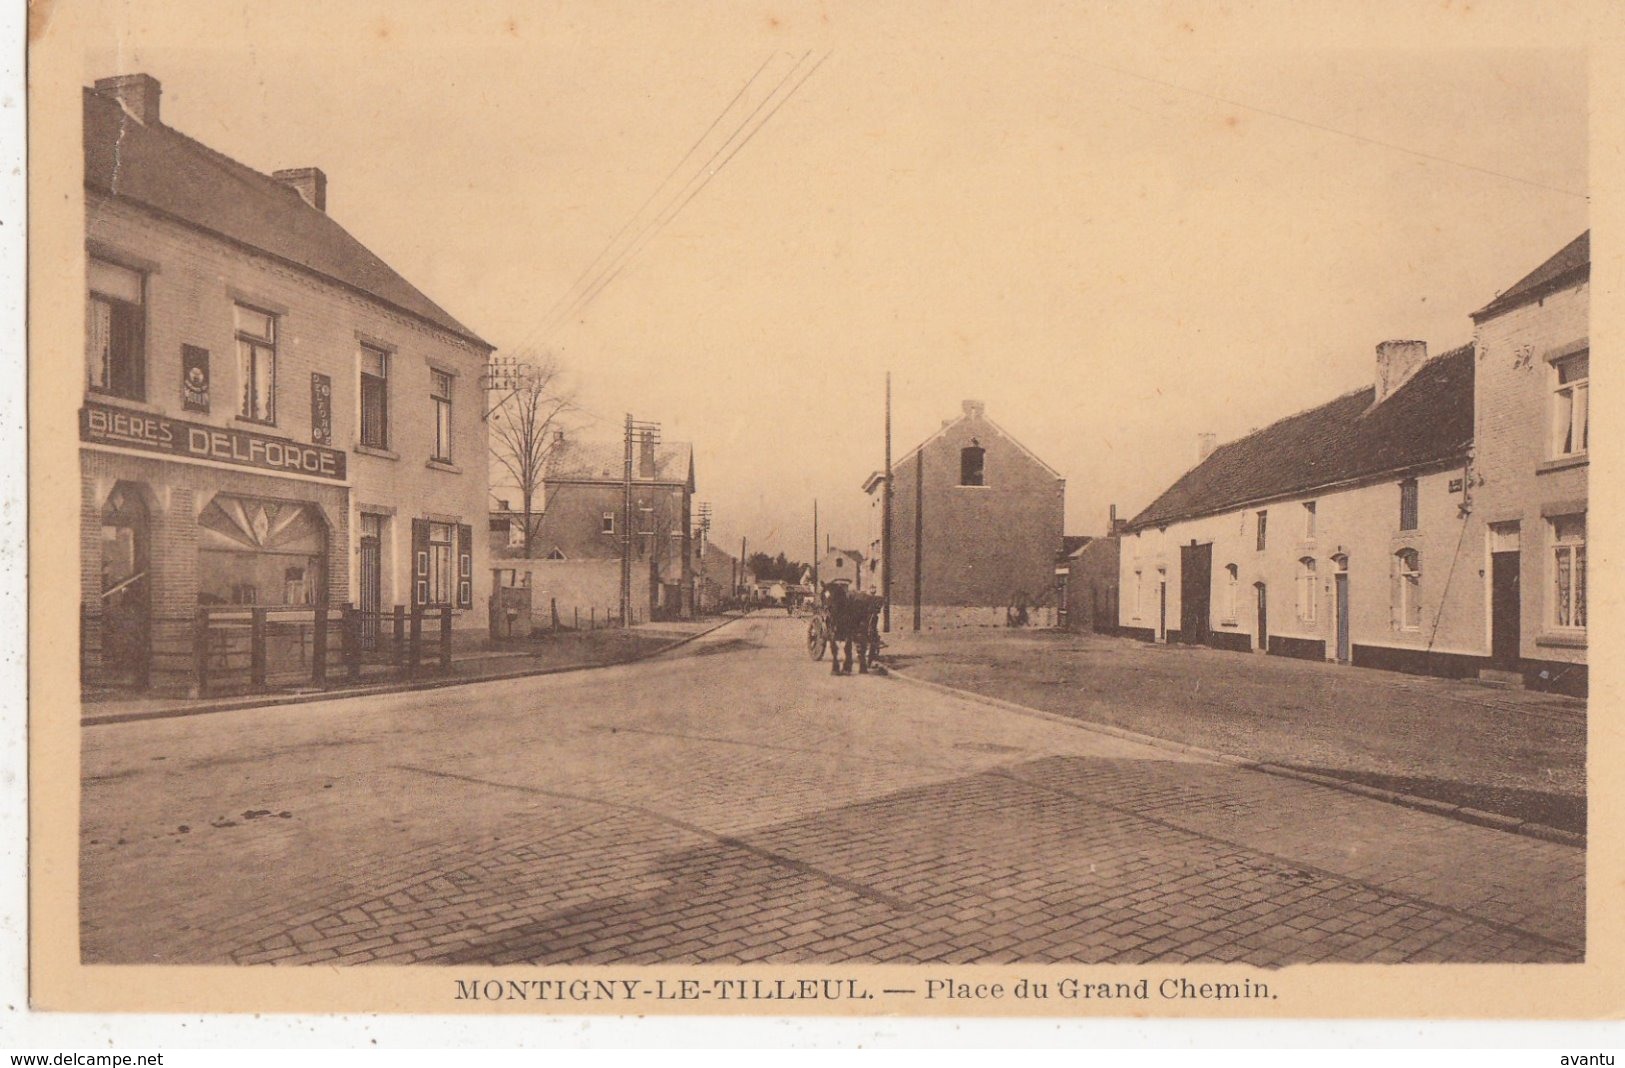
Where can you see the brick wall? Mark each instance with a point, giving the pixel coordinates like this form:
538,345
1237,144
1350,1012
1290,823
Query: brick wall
984,546
192,283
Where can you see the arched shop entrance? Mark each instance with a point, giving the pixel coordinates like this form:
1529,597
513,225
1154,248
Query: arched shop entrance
126,597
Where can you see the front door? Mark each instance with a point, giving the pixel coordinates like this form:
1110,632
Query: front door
371,590
126,589
1195,592
1505,609
1341,587
1263,618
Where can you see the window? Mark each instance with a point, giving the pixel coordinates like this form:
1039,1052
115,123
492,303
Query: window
1139,593
442,536
1408,590
115,332
374,397
1308,519
1231,574
1407,504
1571,429
606,525
1263,530
971,460
256,363
1308,590
1569,572
440,393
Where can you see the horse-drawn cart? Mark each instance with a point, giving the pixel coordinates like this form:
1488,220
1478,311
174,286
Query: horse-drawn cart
818,632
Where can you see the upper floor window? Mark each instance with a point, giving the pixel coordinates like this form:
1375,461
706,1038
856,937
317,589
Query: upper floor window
256,363
1571,415
374,397
440,394
1308,590
1308,519
1407,504
971,459
1263,530
606,525
1408,589
1569,572
115,331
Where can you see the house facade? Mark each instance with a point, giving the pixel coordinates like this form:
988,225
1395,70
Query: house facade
976,523
1341,533
1086,579
272,416
1532,461
843,566
584,516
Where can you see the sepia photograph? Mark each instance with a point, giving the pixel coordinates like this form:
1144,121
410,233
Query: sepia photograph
639,508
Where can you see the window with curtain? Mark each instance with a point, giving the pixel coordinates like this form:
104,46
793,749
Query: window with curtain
1571,415
256,363
1569,572
115,331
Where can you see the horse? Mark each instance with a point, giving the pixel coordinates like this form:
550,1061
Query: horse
853,618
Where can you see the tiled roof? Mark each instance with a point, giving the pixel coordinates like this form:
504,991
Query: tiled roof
605,461
1071,543
1427,420
1571,257
170,173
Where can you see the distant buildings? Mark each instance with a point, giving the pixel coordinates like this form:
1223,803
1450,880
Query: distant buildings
272,416
842,566
1432,522
977,517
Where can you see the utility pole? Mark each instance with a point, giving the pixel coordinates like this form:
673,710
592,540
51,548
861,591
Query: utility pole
919,528
816,584
885,523
649,434
741,567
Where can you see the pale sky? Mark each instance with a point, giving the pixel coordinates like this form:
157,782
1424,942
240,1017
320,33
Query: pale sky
1117,231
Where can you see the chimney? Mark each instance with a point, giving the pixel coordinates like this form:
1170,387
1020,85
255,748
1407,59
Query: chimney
309,182
1205,444
137,94
975,409
1397,361
646,456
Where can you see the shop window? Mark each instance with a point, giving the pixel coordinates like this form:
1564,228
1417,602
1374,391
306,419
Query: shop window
1569,572
261,552
115,331
256,363
1571,405
440,395
374,397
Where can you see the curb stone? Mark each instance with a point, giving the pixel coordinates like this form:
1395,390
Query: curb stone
277,700
1460,813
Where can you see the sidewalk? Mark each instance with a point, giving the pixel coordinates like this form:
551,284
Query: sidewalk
474,659
1511,753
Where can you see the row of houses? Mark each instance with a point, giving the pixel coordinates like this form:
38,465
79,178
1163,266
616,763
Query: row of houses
1434,521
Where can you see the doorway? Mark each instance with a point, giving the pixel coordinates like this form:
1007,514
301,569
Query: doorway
1195,592
126,608
1506,605
371,577
1263,631
1340,588
1162,610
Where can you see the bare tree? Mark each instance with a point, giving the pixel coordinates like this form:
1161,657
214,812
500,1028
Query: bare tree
528,405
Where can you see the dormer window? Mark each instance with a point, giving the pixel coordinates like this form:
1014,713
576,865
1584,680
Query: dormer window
971,465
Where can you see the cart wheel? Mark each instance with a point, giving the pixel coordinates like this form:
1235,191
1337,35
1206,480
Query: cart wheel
816,639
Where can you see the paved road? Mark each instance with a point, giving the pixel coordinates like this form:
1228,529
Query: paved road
732,802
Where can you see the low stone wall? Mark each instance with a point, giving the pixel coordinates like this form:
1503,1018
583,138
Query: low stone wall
951,617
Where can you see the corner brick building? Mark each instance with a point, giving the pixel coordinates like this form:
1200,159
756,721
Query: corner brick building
272,416
989,517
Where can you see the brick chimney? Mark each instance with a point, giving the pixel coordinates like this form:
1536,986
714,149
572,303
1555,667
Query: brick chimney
1397,361
309,182
1205,444
137,94
974,408
646,456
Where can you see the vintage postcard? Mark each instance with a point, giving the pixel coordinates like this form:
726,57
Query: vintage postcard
900,508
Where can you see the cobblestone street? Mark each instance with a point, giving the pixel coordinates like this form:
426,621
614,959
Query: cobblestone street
733,802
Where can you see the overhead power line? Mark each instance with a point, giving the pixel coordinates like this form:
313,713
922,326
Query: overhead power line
1284,117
